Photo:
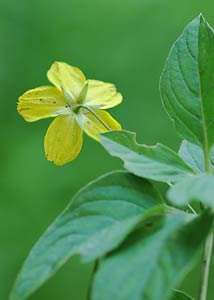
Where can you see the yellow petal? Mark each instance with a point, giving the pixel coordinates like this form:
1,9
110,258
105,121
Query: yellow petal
93,127
63,140
40,103
67,78
102,95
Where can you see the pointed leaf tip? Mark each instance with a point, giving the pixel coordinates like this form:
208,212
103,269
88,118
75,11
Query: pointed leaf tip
187,83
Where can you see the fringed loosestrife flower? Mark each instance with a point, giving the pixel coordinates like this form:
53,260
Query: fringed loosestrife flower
78,106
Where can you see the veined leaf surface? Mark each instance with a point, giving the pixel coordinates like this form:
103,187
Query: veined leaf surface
98,219
193,155
179,295
153,162
187,83
148,266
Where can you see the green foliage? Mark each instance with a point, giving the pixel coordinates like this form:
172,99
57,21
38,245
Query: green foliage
98,219
199,188
152,260
179,295
152,162
193,156
145,248
187,83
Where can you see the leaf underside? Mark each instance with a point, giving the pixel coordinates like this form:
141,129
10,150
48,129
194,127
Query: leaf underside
199,188
193,156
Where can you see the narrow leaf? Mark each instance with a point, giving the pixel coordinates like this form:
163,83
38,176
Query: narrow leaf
150,265
98,219
187,83
199,188
154,162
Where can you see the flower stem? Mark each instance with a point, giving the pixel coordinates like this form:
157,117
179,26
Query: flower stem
96,116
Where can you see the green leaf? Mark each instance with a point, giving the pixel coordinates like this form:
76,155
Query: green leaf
187,83
98,219
179,295
152,261
193,155
199,188
154,162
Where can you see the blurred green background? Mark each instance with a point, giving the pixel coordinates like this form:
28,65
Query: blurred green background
121,41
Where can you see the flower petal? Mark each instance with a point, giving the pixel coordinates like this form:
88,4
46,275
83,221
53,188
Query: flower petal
63,140
102,95
67,78
93,127
40,103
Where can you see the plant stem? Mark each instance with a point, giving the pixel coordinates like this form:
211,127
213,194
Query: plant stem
192,209
206,267
95,267
208,244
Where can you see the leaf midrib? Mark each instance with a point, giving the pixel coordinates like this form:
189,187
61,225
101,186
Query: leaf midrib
205,133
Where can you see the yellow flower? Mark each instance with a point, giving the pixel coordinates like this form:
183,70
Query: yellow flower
76,103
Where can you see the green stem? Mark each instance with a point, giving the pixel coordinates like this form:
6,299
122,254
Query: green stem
207,160
208,244
96,116
206,267
192,209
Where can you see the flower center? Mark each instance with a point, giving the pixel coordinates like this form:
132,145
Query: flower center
73,105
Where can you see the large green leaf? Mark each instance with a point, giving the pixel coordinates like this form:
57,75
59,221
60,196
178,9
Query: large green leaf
198,187
152,261
187,83
179,295
99,217
154,162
